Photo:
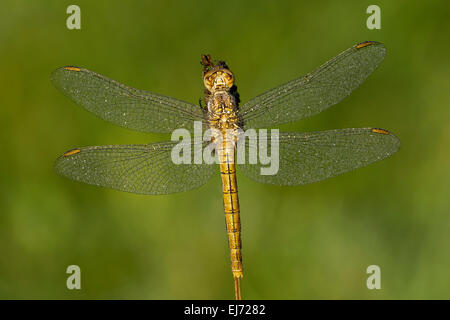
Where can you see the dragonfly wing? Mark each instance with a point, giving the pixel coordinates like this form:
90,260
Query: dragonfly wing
313,156
125,106
143,169
315,92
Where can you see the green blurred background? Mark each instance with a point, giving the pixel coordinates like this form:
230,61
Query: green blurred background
306,242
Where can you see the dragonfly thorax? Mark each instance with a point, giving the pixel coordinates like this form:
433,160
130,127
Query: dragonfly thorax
222,110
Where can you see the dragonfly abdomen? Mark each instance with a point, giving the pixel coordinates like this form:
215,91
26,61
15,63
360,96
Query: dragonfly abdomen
231,205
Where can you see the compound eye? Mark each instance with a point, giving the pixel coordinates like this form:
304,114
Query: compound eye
230,79
209,80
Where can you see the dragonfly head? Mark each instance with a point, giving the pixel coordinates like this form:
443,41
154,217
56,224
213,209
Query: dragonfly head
218,78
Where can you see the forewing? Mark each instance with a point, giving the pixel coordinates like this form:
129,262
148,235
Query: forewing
315,92
143,169
313,156
125,106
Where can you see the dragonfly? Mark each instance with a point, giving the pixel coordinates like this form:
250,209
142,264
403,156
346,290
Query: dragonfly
303,157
